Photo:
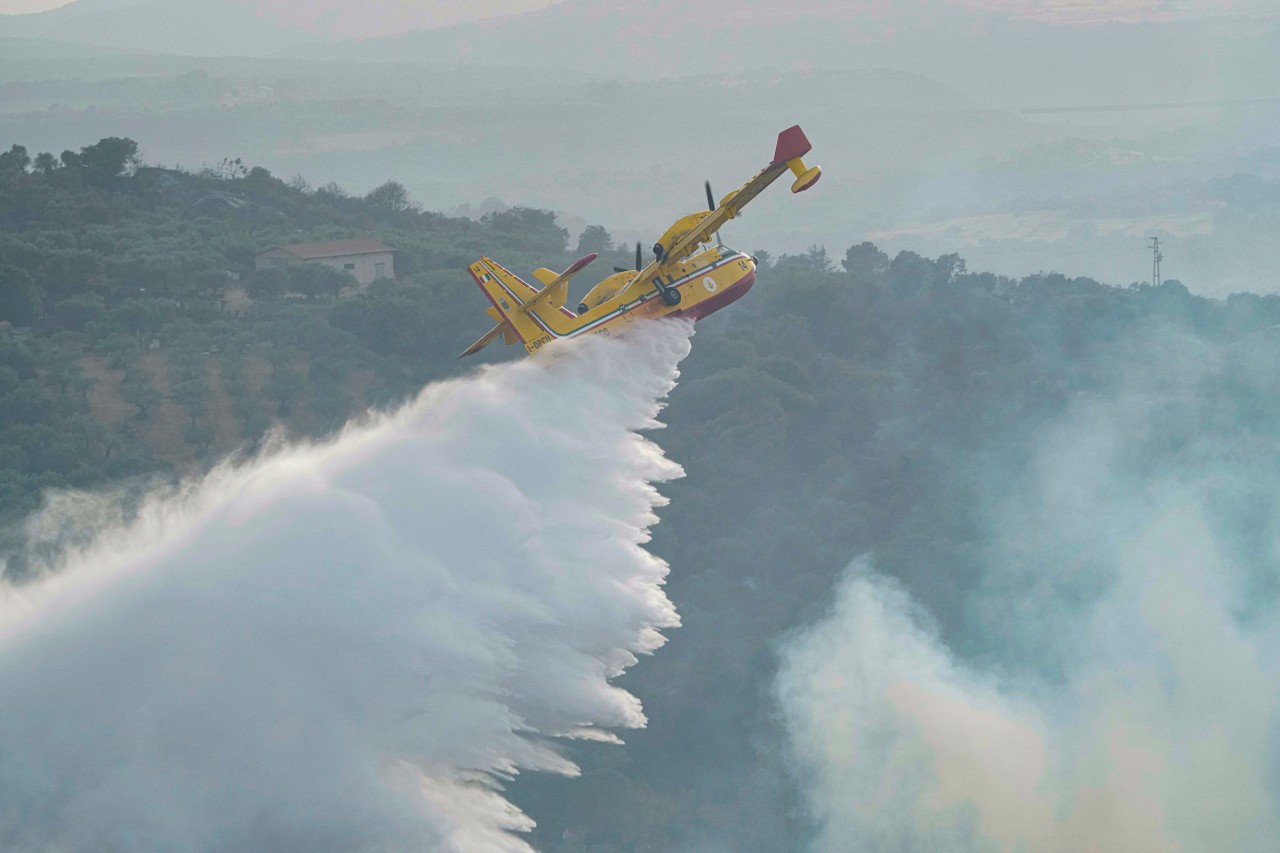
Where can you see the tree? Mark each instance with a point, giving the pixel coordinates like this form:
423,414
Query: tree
78,311
391,196
527,229
331,404
61,370
865,263
15,159
121,350
244,406
256,425
138,390
109,157
333,190
8,379
18,356
331,281
141,318
83,385
267,284
594,238
66,272
813,260
192,393
226,170
284,387
46,163
910,274
817,258
201,435
27,403
947,268
312,280
20,298
262,179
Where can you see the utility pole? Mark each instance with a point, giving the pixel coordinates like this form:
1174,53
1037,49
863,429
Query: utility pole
1156,257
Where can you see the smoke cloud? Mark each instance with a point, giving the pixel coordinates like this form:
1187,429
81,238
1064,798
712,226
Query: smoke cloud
347,646
1120,682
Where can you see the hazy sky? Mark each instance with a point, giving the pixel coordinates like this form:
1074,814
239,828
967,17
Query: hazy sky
1065,10
1085,11
477,9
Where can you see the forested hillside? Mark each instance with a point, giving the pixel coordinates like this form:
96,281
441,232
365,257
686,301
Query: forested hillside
140,340
852,403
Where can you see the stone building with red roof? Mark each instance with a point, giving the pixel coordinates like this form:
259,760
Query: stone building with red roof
367,260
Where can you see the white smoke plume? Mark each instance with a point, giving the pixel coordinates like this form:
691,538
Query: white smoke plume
347,646
1126,695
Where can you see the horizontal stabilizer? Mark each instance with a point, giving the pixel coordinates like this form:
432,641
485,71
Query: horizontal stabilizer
556,284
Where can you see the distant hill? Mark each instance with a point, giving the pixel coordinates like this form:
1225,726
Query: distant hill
999,55
24,50
239,27
1007,54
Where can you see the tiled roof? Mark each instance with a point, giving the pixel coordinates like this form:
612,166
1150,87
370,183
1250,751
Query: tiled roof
333,248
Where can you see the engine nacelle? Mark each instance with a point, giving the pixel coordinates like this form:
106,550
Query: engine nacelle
608,288
677,232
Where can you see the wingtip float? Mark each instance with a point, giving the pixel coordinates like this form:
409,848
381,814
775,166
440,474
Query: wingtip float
688,276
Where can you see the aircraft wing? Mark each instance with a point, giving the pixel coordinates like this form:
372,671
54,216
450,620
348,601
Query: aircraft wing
648,274
558,282
488,338
792,145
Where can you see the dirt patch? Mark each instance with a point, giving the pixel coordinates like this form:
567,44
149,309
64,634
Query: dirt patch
106,404
164,428
235,299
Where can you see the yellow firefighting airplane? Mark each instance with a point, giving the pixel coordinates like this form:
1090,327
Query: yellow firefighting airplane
682,280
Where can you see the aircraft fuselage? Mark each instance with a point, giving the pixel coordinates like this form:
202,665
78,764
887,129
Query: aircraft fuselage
706,281
688,277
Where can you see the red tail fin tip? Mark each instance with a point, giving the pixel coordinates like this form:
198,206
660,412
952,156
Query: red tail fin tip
792,143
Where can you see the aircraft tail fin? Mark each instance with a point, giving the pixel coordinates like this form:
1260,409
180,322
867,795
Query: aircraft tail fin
792,146
508,295
523,313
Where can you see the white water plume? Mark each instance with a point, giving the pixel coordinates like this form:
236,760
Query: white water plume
346,646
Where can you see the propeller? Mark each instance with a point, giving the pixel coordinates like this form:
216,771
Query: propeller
639,265
670,295
711,205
